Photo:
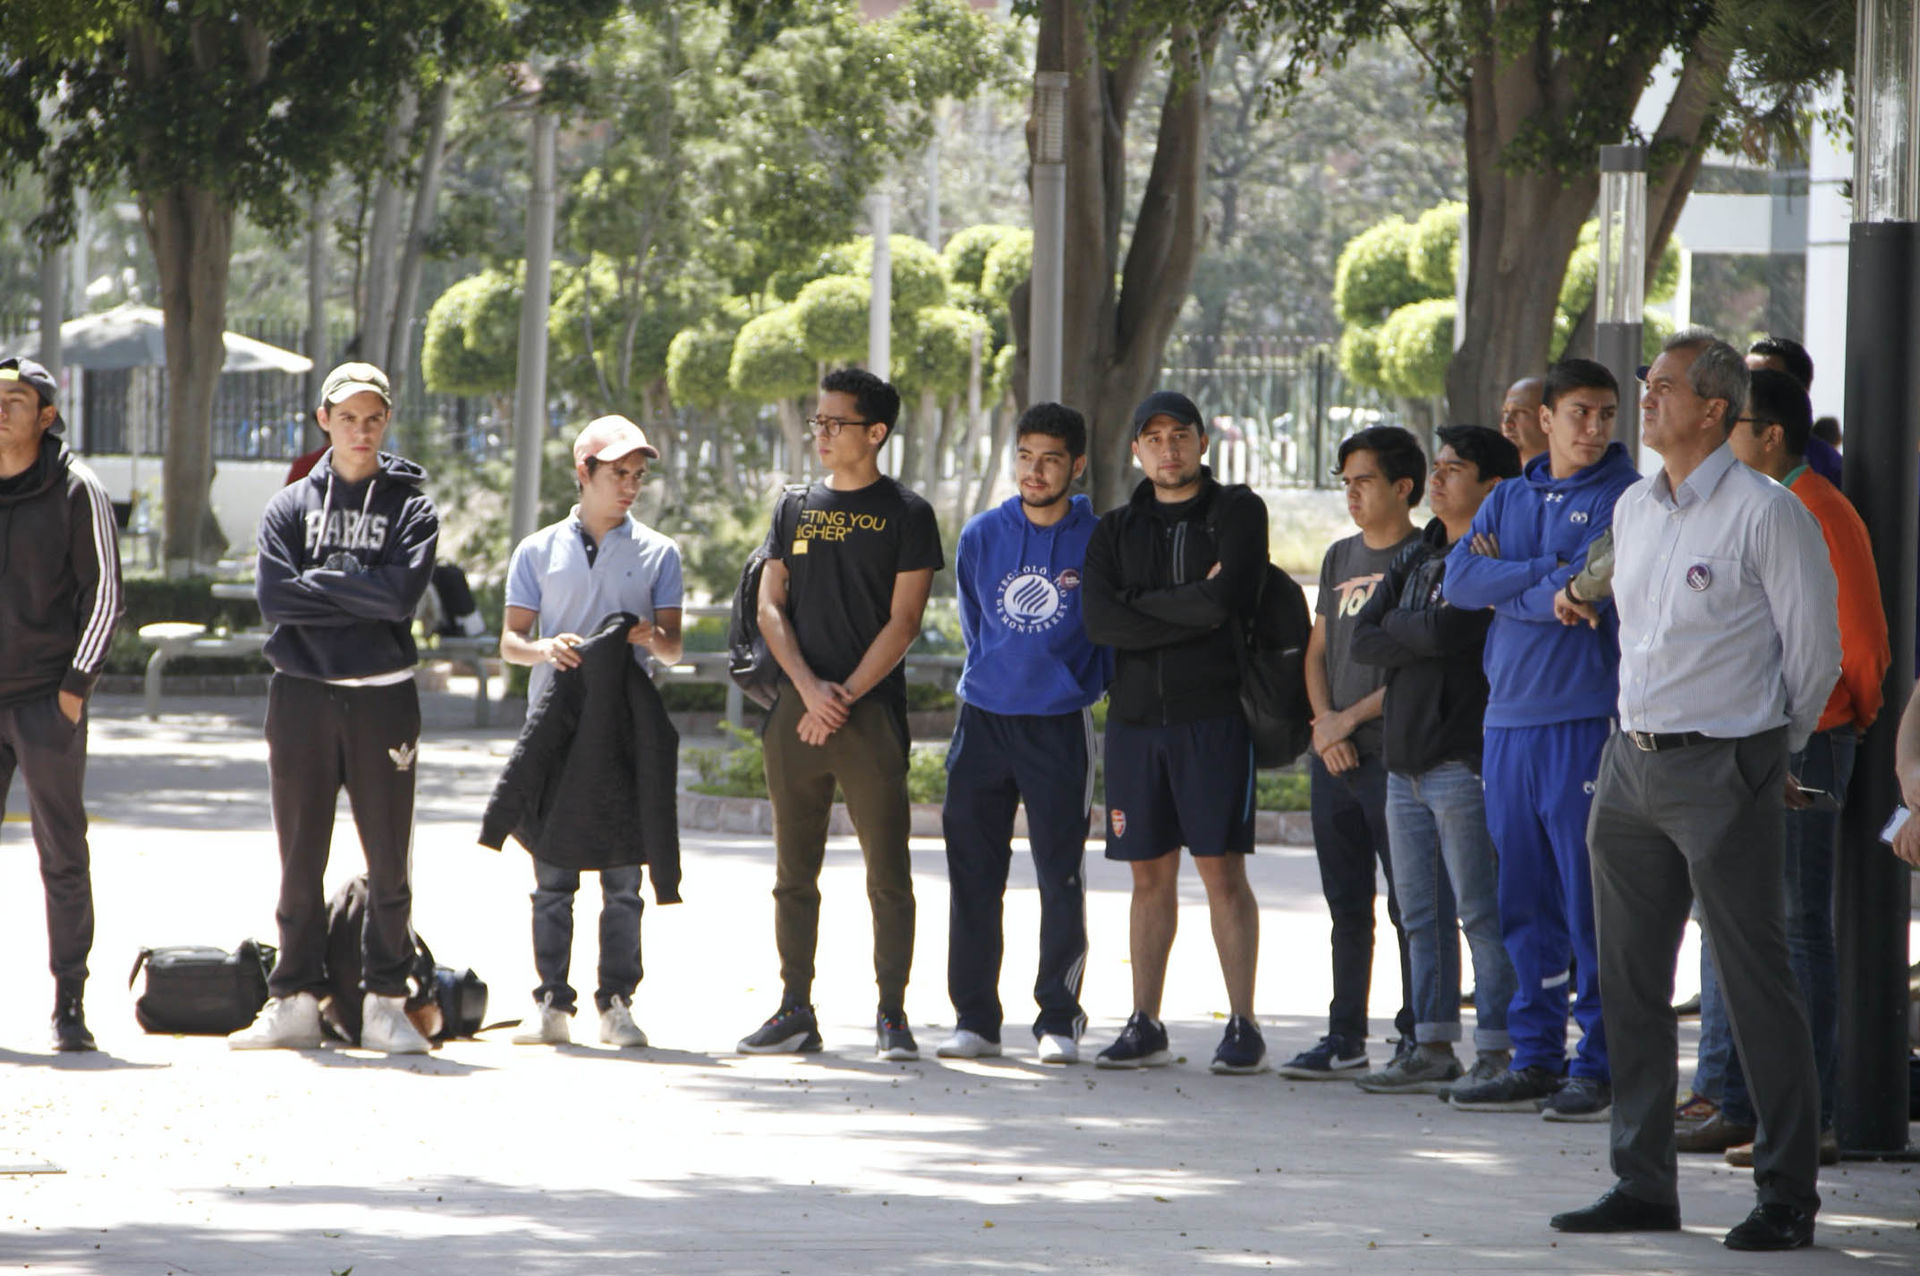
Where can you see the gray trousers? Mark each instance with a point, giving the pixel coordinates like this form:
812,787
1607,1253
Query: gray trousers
1706,822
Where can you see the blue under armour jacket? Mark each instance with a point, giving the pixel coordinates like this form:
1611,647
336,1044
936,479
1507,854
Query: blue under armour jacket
1540,671
1027,646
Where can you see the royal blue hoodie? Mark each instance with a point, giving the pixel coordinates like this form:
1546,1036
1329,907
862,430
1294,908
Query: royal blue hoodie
1540,671
1027,647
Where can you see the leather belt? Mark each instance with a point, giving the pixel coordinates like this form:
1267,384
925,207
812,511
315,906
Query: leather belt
1655,741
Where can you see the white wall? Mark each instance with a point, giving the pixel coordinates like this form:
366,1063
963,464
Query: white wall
240,489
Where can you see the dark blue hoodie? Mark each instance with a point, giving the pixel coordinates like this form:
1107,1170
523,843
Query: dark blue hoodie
1027,646
353,619
1540,671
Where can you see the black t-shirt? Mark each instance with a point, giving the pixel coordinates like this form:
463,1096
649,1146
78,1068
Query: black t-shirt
842,551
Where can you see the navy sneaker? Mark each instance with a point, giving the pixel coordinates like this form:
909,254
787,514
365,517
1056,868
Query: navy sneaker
1333,1058
791,1030
1141,1044
1515,1090
1242,1051
892,1039
1580,1099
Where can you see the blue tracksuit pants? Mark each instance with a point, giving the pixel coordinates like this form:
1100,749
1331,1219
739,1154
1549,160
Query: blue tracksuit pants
996,762
1539,783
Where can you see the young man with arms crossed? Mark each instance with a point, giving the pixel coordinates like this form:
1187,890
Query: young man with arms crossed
563,580
1552,691
1383,471
840,601
59,607
1025,735
1445,872
344,555
1729,650
1167,576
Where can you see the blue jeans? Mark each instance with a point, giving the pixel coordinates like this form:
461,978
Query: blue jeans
1437,821
620,907
1812,838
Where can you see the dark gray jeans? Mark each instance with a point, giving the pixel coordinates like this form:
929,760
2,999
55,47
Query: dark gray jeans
620,906
1706,820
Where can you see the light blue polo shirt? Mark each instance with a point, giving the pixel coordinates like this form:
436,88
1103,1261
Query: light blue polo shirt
636,569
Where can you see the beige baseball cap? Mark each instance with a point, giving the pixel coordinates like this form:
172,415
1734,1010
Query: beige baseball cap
350,379
609,438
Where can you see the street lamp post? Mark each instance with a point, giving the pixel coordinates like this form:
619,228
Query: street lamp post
880,295
1046,291
1621,287
1872,895
530,377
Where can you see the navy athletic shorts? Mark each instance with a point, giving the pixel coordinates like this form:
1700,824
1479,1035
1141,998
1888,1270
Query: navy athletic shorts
1189,784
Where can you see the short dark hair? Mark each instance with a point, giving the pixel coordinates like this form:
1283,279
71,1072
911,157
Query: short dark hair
1056,421
873,398
1569,375
1491,453
1798,362
1827,430
1717,370
1778,398
1397,451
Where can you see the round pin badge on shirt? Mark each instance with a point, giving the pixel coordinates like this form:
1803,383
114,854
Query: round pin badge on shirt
1699,576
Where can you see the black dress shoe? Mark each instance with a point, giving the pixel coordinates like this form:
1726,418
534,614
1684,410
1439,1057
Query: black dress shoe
1618,1212
70,1027
1773,1226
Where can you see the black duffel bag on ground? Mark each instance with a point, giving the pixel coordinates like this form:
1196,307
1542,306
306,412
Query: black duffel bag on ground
201,991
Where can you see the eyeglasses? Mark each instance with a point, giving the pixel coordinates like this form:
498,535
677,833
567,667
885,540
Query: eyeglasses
829,427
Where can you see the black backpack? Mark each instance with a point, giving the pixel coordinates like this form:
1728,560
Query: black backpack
749,663
340,1008
201,991
1272,654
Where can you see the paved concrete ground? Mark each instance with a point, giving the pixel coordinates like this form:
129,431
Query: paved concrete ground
179,1156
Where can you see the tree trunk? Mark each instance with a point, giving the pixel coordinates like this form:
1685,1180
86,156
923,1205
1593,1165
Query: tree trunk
413,253
1003,418
378,300
1114,337
191,233
53,304
793,431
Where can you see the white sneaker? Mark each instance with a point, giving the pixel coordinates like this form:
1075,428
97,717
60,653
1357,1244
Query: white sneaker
546,1026
967,1044
284,1023
617,1027
384,1026
1055,1048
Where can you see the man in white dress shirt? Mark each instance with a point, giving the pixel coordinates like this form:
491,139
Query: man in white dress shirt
1729,647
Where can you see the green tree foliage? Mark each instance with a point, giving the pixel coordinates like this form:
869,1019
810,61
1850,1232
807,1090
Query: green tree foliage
966,252
1583,272
1414,347
1375,277
473,336
834,313
1006,267
770,359
698,362
1433,252
918,275
938,357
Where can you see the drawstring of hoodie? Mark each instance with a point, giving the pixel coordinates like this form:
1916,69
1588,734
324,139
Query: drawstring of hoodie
326,509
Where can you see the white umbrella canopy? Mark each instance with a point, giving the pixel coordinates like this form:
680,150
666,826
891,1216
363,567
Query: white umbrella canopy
134,336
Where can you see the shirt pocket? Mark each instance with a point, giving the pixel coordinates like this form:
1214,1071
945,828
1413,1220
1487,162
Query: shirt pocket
1702,594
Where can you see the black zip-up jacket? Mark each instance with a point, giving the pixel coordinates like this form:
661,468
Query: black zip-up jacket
60,598
353,619
1147,595
592,782
1432,651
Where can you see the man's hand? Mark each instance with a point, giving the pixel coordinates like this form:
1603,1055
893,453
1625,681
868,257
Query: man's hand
1796,800
1329,729
812,730
1485,544
1569,610
1213,571
1340,758
826,701
72,705
1906,842
641,634
559,650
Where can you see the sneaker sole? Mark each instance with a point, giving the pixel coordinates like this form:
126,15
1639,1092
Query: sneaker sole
798,1043
1577,1118
1415,1087
1158,1059
1531,1106
899,1054
1338,1072
944,1053
1220,1069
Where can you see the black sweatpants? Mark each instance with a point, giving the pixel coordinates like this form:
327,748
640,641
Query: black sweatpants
320,737
997,761
51,755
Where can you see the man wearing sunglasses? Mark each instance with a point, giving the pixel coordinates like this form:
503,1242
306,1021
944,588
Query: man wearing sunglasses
840,601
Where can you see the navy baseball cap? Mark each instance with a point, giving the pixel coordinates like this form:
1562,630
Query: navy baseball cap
27,371
1167,403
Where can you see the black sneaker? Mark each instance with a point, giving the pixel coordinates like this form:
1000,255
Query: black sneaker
70,1033
792,1030
1334,1058
1580,1099
1141,1044
1242,1051
1515,1090
892,1039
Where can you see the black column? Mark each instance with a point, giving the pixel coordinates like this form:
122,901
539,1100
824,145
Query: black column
1872,899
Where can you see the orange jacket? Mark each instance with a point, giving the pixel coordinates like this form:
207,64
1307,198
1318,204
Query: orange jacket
1864,653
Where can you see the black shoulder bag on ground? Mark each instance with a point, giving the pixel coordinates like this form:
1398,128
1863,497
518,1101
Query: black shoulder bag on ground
749,663
1272,654
201,991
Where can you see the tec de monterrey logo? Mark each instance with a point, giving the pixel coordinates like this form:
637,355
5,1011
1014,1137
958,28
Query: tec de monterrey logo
1031,603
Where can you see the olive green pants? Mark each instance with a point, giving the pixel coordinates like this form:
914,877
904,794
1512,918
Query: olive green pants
868,759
